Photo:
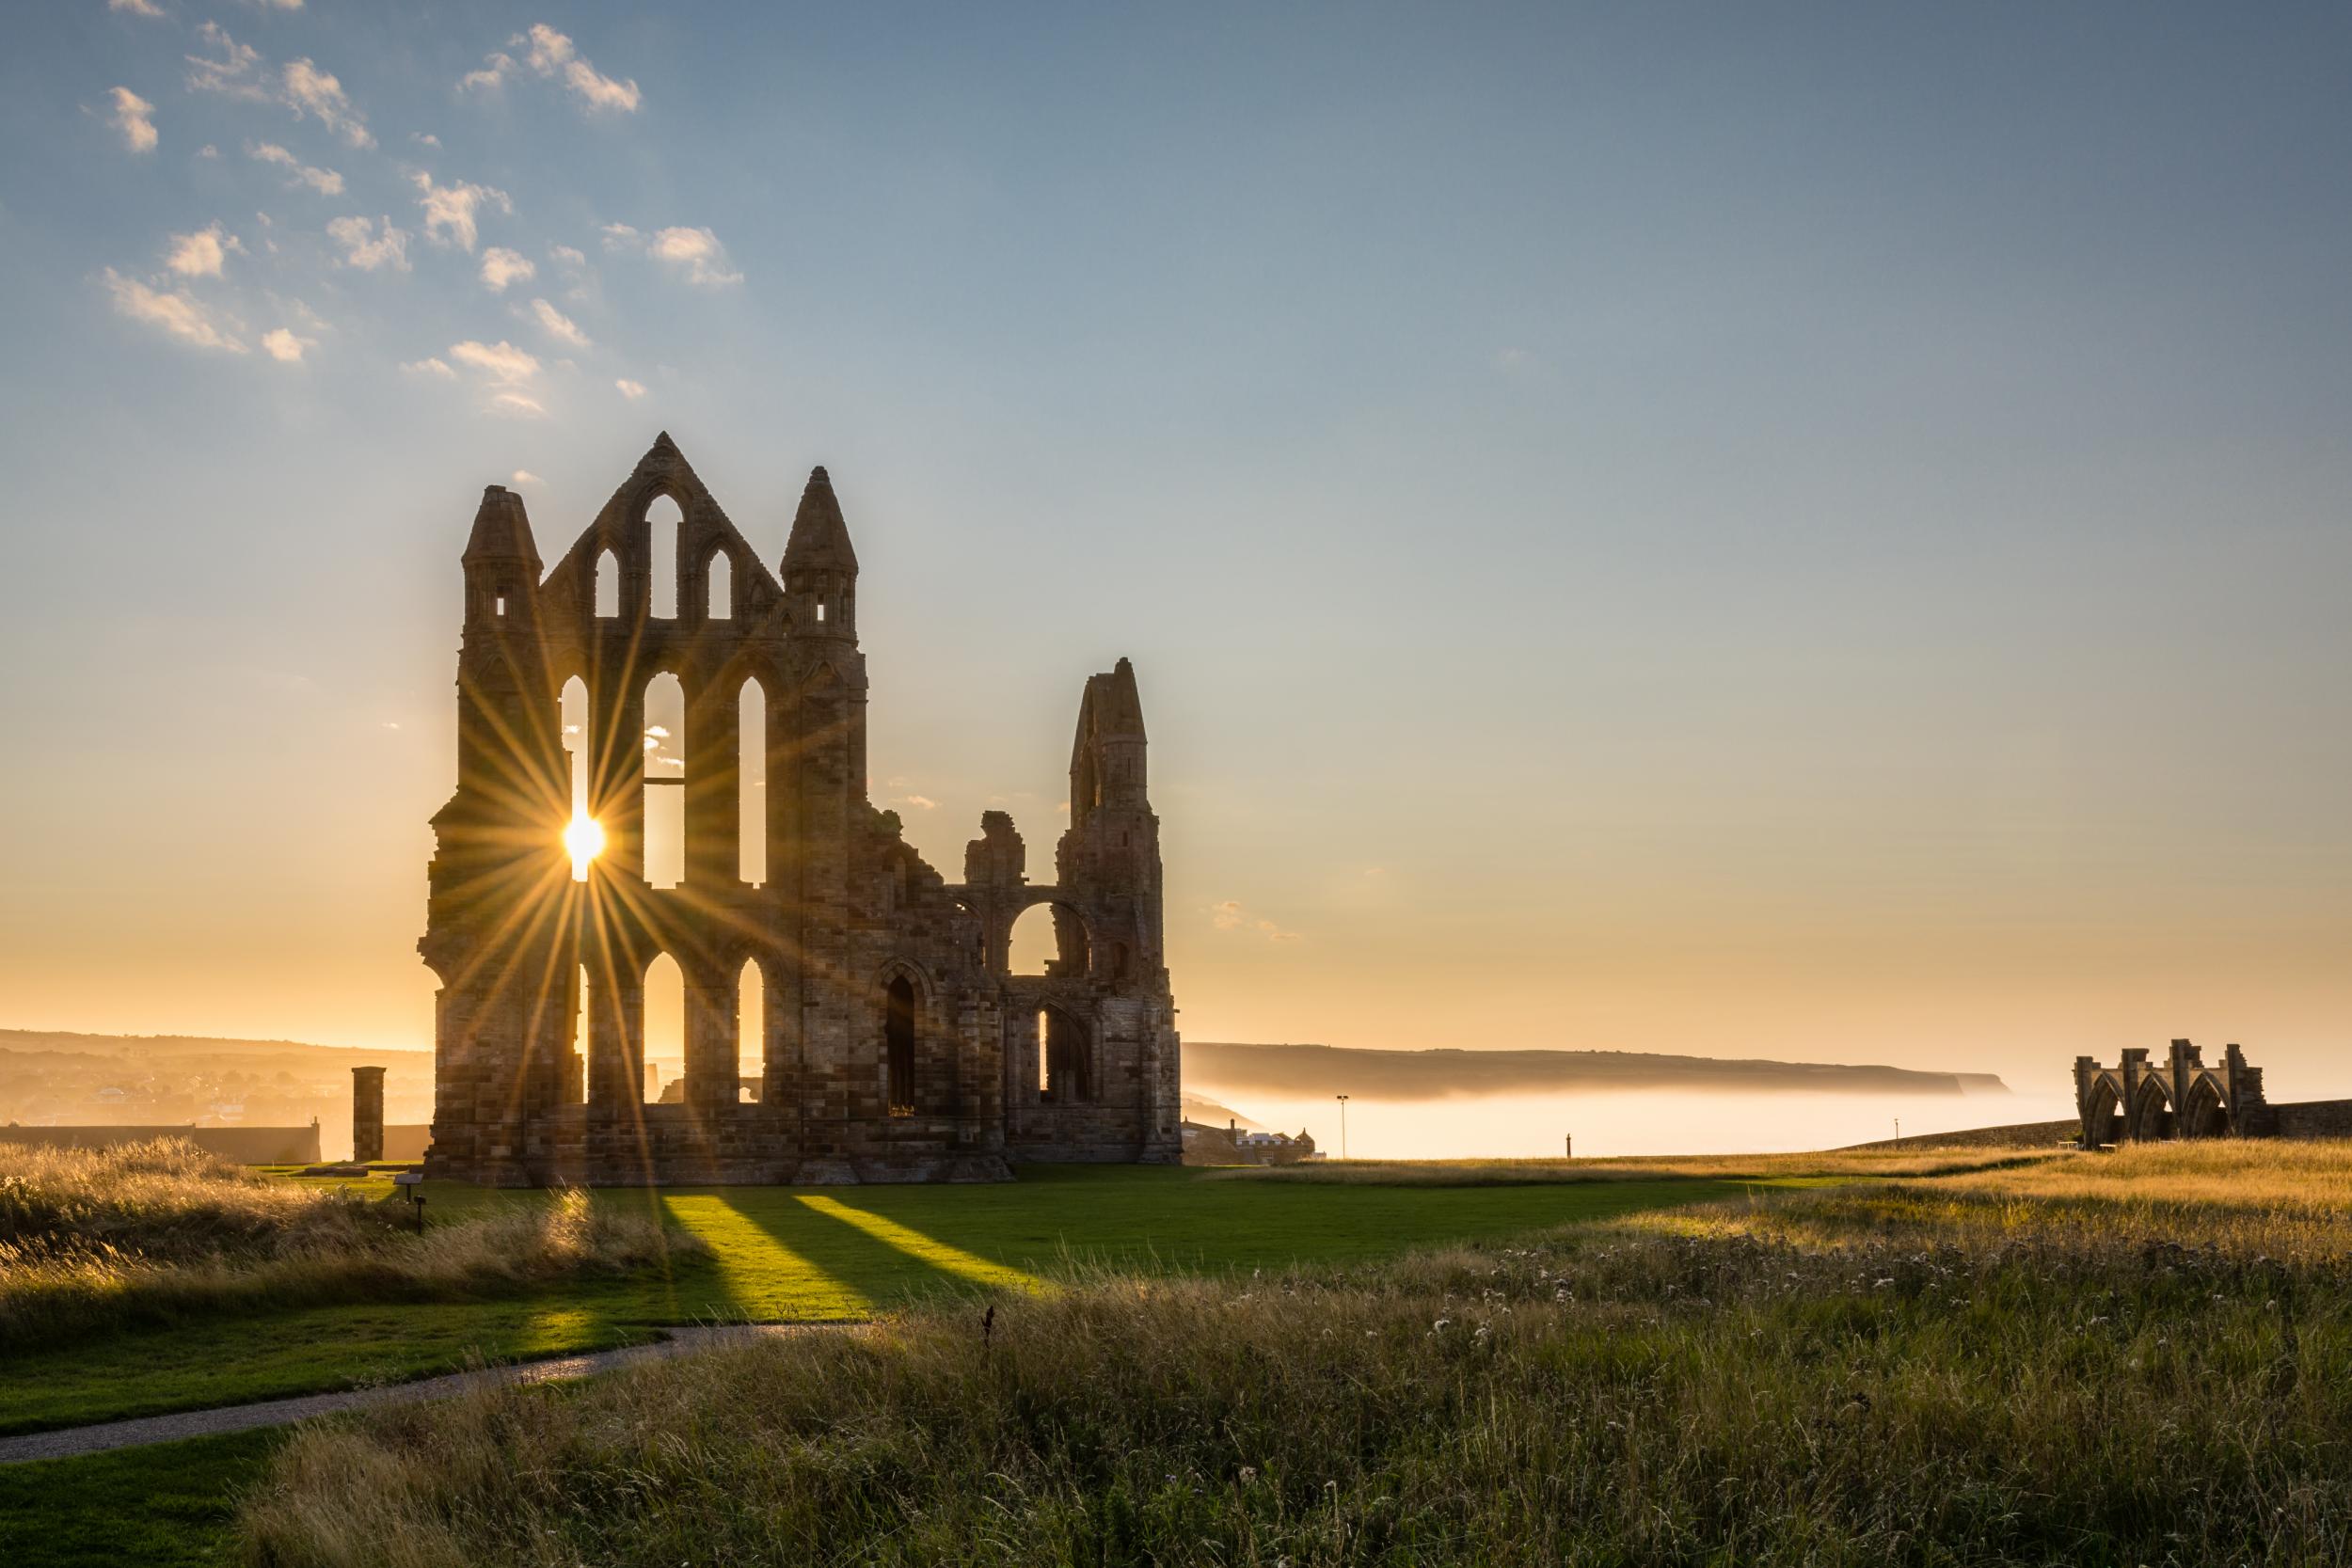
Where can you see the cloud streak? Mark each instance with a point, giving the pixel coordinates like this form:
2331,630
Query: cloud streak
553,55
559,326
324,181
135,116
173,312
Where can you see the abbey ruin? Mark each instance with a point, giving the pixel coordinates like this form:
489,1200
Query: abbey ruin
2138,1100
890,1039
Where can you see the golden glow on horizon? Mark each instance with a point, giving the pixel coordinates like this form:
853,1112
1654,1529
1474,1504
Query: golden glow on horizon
584,838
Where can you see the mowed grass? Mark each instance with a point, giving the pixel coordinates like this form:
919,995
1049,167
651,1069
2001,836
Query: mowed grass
167,1506
781,1254
2137,1358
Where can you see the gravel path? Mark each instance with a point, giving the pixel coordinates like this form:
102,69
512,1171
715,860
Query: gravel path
70,1441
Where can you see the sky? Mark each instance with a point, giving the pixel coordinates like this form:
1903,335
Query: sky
1806,531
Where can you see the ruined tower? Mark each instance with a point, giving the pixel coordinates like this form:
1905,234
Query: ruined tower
891,1040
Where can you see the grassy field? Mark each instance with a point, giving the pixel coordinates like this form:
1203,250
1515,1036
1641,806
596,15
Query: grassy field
2138,1358
789,1253
763,1253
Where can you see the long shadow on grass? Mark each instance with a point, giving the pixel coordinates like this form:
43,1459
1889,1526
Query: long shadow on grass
788,1254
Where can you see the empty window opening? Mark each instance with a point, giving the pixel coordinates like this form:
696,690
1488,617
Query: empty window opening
664,1037
1065,1074
662,526
1040,942
571,724
820,611
665,780
608,585
750,1033
572,1085
719,595
501,604
751,784
898,1045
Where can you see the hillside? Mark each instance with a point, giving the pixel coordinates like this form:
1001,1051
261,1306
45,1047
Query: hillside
51,1078
1310,1071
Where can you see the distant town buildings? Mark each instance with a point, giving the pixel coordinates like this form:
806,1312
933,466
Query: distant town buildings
1230,1144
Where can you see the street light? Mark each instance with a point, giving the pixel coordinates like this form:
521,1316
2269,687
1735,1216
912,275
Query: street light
1343,1098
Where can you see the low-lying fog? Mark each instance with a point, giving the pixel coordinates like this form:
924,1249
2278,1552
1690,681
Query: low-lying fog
1663,1121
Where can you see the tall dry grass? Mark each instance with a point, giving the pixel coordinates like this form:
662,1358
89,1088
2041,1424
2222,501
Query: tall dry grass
95,1239
1840,1376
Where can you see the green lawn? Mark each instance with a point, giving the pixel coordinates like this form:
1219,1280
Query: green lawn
167,1506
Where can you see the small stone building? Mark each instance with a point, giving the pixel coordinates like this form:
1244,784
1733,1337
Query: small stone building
890,1040
2140,1101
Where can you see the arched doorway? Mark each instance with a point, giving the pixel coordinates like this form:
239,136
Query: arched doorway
899,1025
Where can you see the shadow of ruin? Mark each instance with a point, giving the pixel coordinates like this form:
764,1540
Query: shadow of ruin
893,1041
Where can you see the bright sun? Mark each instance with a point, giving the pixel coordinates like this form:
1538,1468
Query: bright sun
584,838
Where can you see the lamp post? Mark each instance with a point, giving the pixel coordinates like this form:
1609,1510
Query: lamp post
1343,1098
1899,1131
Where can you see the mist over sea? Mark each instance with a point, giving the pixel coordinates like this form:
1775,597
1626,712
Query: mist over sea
1634,1122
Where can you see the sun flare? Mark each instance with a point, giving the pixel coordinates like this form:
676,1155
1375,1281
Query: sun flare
584,838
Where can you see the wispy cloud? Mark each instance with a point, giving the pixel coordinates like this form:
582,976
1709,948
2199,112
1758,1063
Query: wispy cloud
324,181
698,253
449,209
175,312
630,389
311,90
565,256
135,8
523,476
284,346
366,249
236,69
135,116
502,266
509,374
559,326
1229,915
694,254
232,69
552,54
501,361
433,366
200,254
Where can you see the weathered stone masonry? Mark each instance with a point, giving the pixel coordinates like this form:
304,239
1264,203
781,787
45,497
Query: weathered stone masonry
2139,1100
895,1042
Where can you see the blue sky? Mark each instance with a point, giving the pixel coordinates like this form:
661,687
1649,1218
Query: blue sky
1803,530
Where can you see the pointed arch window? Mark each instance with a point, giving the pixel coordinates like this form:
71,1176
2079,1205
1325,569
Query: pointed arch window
666,776
751,784
662,521
608,586
751,1032
718,588
661,1039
